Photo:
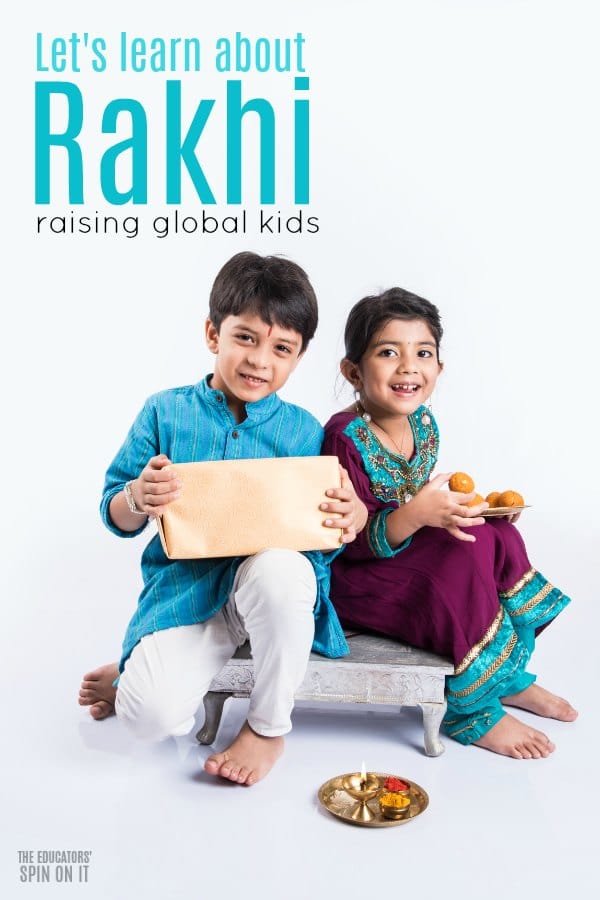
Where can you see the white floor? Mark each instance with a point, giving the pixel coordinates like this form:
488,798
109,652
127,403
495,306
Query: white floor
158,827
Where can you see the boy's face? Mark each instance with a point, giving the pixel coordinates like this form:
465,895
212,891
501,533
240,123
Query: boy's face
253,359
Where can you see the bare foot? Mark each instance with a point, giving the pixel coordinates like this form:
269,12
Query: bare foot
538,700
513,738
97,691
249,758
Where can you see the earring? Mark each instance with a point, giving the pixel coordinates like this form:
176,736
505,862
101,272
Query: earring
358,403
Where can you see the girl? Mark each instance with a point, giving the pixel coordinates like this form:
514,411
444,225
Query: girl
414,573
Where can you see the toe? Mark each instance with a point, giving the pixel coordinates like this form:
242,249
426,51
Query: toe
243,775
541,744
101,709
212,764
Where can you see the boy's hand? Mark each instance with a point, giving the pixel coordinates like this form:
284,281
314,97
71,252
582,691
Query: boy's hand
353,512
156,487
447,509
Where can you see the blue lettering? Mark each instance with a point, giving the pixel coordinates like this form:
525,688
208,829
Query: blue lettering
137,143
45,139
235,113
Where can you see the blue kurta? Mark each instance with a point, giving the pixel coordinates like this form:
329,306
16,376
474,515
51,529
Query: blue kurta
194,424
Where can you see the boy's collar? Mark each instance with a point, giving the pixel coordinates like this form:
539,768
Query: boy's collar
257,410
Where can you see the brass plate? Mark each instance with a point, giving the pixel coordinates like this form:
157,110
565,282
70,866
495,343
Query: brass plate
497,511
335,799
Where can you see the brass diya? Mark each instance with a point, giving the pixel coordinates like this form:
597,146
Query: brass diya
361,787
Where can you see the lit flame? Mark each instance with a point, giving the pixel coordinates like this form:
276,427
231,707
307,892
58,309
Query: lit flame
363,775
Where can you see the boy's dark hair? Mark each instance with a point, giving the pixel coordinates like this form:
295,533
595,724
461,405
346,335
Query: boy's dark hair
275,289
371,314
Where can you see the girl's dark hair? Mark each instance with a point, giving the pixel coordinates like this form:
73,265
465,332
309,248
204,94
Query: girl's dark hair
275,289
371,314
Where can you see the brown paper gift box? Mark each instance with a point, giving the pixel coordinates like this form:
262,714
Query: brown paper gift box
242,506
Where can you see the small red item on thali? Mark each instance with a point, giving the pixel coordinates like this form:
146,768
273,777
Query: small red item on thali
395,784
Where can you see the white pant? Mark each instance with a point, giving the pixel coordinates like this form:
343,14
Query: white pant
170,671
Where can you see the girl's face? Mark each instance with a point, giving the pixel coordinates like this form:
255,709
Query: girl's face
398,370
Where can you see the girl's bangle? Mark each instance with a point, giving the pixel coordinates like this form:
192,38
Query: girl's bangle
131,500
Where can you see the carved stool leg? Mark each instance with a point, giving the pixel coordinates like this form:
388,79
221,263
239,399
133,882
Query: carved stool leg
433,713
214,701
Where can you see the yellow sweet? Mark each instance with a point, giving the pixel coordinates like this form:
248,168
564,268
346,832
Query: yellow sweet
510,498
476,499
461,482
492,499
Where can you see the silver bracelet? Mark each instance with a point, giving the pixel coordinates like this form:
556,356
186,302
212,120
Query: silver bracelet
131,500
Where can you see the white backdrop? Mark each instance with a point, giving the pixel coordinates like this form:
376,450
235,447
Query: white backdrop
455,151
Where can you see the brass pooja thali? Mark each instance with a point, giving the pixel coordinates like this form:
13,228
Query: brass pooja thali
340,803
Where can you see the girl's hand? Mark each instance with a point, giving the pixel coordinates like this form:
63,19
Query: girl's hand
352,510
156,487
447,509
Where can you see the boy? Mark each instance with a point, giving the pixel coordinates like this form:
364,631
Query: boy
193,614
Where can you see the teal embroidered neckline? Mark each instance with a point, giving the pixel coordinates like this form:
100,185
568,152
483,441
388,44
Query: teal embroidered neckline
392,476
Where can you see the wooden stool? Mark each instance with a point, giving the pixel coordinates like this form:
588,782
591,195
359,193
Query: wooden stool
378,670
